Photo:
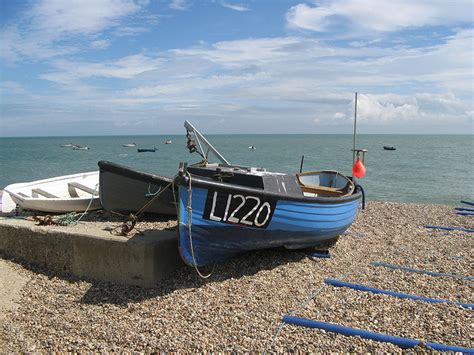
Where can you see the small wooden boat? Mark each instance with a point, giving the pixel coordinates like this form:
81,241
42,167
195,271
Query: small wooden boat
127,190
80,147
61,194
129,145
143,150
226,210
386,147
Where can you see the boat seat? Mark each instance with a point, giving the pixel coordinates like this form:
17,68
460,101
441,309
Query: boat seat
323,190
72,186
42,193
22,194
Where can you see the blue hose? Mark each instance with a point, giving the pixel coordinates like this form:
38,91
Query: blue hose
467,202
431,273
357,186
348,331
337,283
465,213
319,254
464,209
450,228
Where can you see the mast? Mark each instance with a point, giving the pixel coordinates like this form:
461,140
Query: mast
355,129
190,128
356,153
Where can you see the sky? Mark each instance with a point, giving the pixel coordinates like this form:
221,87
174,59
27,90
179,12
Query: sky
126,67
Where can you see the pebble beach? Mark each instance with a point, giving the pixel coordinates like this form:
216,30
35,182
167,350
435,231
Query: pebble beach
240,307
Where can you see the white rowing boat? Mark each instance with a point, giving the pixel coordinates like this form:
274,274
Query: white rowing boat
61,194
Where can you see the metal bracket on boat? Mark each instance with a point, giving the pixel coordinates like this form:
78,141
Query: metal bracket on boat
197,145
359,154
181,177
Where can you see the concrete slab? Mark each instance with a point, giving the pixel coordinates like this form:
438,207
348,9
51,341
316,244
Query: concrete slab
142,260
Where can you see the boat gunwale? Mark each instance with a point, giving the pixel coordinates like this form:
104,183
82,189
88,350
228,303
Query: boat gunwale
108,166
219,186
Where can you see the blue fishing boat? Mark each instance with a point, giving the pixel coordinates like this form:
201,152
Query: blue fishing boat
226,210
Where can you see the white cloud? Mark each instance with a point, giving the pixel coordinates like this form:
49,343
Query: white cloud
235,7
42,32
100,44
179,5
69,72
278,78
11,88
380,15
424,107
123,31
15,45
58,17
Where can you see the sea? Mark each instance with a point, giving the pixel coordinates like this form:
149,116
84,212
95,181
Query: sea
423,169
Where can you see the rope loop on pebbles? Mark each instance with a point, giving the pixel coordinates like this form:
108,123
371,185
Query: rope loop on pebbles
132,219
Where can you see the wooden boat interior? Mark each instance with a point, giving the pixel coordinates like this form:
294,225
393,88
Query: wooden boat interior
325,183
58,189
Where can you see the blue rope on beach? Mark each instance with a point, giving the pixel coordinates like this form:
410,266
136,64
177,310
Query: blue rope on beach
338,283
450,228
419,271
464,209
465,213
348,331
319,254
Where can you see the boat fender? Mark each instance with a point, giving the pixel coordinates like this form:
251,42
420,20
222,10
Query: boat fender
357,186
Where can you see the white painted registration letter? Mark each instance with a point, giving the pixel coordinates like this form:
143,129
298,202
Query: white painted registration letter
211,215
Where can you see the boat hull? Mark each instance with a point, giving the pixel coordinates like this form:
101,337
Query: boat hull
218,233
60,199
126,190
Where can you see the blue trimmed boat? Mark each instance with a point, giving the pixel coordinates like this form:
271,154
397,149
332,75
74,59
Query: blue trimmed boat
226,210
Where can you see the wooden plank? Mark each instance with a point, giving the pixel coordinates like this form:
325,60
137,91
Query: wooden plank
328,191
80,187
43,193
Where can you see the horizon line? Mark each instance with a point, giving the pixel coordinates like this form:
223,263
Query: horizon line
247,134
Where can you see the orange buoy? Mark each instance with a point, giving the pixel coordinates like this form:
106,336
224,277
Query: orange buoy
358,170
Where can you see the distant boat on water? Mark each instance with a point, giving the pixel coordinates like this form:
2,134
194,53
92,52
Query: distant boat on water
129,145
143,150
168,141
80,147
66,145
252,147
386,147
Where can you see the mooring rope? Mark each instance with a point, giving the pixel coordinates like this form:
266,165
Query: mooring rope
90,203
152,193
190,222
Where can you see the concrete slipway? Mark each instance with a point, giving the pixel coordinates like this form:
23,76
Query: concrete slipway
143,259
